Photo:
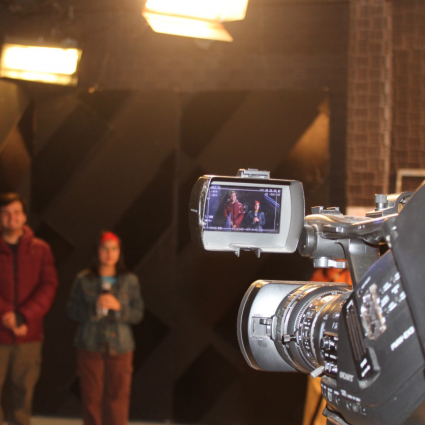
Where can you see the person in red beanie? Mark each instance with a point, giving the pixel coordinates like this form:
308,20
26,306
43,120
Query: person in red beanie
28,284
106,301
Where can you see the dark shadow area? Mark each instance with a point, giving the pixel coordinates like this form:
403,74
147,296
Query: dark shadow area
187,365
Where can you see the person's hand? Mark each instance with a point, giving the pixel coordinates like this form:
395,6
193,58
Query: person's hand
256,219
21,331
108,302
9,320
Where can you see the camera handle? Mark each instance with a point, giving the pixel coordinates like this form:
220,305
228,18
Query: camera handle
329,237
360,257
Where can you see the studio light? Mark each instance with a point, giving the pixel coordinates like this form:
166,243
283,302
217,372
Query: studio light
45,64
194,18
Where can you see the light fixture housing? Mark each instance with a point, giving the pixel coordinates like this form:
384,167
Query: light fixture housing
194,18
39,62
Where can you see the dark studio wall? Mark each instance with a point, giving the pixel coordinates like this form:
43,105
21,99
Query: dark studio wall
281,45
127,160
123,150
16,138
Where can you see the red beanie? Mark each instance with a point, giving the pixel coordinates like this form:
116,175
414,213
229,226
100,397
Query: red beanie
109,236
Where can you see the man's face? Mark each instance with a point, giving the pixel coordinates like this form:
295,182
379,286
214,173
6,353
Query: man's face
233,197
12,217
257,206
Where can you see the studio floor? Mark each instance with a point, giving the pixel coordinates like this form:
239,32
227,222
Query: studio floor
39,420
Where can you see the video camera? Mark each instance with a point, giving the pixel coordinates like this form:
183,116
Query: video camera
366,342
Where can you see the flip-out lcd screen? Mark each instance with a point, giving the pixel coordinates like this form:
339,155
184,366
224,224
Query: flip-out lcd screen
238,213
236,208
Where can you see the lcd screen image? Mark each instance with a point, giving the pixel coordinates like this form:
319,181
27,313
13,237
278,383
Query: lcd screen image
243,209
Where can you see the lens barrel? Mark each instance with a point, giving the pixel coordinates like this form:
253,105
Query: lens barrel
307,326
284,326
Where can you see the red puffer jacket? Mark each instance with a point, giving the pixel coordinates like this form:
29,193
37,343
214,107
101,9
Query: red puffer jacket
29,288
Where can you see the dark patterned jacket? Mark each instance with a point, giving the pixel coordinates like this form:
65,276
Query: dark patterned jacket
112,333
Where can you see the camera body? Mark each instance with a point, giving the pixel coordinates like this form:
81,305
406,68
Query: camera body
366,342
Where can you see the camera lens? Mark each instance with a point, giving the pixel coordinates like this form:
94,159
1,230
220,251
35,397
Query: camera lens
289,326
307,326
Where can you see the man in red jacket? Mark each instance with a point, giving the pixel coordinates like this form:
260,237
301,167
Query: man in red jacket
234,211
28,284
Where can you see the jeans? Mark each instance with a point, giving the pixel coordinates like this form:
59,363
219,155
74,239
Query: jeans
21,365
105,383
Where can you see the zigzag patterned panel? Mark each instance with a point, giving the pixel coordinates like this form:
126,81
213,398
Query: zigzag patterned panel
127,161
16,137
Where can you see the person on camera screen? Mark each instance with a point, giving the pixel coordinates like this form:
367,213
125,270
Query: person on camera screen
233,211
256,219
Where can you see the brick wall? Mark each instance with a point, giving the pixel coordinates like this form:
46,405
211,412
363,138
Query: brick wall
386,95
408,136
369,100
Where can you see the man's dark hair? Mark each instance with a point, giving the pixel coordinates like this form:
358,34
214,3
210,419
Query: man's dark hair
8,198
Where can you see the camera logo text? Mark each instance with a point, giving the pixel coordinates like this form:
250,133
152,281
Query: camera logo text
402,338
